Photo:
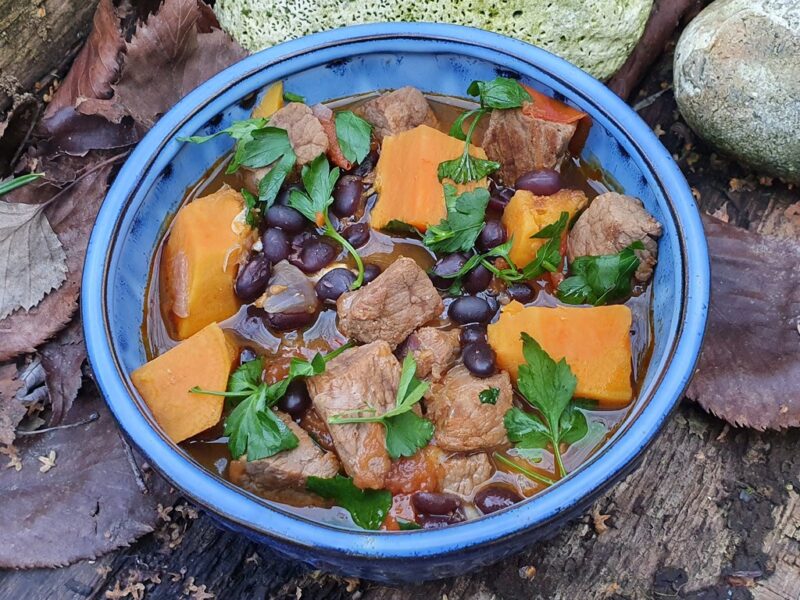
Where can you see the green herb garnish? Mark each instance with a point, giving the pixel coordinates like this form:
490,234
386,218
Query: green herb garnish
499,94
548,257
489,395
292,97
406,432
354,135
238,130
463,224
548,386
367,507
527,472
313,203
253,215
598,280
252,427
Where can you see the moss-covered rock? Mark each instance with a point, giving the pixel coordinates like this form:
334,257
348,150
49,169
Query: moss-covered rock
737,81
596,35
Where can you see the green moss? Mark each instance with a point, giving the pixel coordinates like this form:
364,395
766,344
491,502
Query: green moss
596,35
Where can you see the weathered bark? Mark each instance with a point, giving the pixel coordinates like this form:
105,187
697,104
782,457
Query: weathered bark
37,37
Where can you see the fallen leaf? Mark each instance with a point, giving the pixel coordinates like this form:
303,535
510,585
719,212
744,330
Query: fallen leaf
72,217
599,521
62,359
16,127
48,462
168,57
11,410
749,370
97,64
32,261
92,503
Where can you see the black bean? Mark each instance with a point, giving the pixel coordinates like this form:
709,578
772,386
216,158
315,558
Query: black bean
283,196
472,333
438,521
334,283
296,400
366,165
433,503
447,265
253,278
289,321
497,203
521,292
347,195
371,271
479,358
286,218
493,234
314,255
496,497
246,355
357,234
542,182
470,309
478,279
276,243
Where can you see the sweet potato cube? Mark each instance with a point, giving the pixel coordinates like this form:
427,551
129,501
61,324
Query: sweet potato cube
594,341
203,360
527,214
406,177
270,102
200,262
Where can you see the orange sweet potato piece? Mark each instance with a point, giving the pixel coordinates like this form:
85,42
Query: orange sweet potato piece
200,262
594,341
203,360
270,102
527,214
406,177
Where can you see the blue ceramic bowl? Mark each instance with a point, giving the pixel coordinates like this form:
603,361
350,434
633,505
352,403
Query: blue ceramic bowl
436,58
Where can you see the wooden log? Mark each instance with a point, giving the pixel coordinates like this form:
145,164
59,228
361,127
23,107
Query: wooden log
38,40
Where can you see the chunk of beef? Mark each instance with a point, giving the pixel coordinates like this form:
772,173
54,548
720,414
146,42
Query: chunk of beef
464,472
306,134
435,351
282,477
463,423
392,306
521,143
612,222
365,377
397,111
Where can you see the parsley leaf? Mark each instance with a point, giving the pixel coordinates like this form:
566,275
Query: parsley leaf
598,280
292,97
464,222
238,130
548,386
353,134
489,395
319,180
499,93
367,507
252,427
253,214
262,148
548,257
466,168
498,251
408,525
406,432
397,226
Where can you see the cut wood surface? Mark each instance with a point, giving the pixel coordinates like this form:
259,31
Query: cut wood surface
713,511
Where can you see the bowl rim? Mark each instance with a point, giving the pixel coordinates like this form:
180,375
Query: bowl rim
256,515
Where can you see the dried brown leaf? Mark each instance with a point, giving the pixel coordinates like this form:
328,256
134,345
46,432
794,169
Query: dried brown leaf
749,370
16,128
168,57
62,359
11,411
71,216
97,64
91,503
32,261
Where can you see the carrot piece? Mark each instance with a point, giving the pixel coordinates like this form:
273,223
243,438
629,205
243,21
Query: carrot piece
544,107
406,177
595,342
203,360
200,262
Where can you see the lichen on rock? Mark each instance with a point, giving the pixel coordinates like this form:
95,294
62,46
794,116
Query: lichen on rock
596,35
737,81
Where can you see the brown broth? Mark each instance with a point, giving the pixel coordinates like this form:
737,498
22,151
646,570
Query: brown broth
210,449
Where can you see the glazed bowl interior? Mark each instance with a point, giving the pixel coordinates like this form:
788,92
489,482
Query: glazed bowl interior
437,59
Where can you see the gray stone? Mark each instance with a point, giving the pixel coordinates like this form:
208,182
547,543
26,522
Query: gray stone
737,81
